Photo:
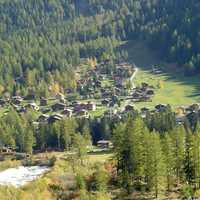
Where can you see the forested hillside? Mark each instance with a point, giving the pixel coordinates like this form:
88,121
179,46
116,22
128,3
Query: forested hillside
42,41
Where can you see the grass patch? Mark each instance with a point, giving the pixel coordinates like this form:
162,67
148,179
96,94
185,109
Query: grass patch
177,90
169,90
98,112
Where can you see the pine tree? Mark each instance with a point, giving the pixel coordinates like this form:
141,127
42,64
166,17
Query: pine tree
87,135
80,146
129,147
196,154
154,167
128,157
29,141
169,159
118,142
189,157
178,148
139,130
100,178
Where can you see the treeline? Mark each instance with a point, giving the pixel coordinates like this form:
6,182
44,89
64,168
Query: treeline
16,126
157,162
23,133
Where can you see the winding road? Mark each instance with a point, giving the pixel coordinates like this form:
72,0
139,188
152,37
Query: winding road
128,101
132,77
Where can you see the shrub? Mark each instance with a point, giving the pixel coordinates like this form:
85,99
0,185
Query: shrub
187,191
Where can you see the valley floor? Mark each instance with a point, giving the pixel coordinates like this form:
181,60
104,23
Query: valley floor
172,87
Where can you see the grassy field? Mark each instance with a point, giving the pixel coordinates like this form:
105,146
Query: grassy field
176,89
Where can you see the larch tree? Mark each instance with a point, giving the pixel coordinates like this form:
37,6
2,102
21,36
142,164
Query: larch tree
178,148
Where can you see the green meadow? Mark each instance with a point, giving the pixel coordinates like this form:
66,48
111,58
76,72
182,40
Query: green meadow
171,86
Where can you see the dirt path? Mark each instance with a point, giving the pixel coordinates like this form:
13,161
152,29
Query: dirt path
128,101
132,77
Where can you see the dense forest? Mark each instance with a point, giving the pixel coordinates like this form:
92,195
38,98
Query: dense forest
42,41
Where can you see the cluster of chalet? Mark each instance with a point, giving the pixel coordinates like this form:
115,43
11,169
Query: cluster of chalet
158,108
187,112
63,110
115,114
91,82
143,93
60,108
182,113
18,103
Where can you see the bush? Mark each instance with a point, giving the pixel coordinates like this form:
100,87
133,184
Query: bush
100,178
187,191
80,182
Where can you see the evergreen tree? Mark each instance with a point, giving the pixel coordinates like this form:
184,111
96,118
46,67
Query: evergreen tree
80,146
29,141
167,146
196,155
154,167
178,148
189,157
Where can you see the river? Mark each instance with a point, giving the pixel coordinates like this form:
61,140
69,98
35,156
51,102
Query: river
21,175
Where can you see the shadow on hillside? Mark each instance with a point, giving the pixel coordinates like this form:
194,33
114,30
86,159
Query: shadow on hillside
145,58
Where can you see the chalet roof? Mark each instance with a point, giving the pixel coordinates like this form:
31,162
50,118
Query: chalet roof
129,106
58,104
60,96
58,115
144,109
43,99
55,117
104,142
82,110
44,116
68,109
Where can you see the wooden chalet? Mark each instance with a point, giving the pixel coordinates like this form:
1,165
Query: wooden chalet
91,106
160,107
67,112
58,106
104,144
144,110
43,101
129,108
43,118
33,106
6,150
105,102
54,118
194,107
30,97
16,100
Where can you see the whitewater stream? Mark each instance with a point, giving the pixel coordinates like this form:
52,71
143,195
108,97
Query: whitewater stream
21,175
